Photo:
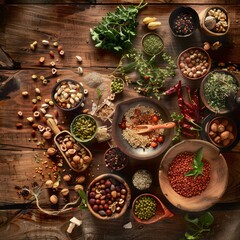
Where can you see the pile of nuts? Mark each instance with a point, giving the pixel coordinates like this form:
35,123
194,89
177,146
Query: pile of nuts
68,94
216,20
194,63
107,196
77,156
221,132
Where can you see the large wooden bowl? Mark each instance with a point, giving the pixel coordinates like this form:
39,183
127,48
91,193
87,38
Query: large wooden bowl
218,176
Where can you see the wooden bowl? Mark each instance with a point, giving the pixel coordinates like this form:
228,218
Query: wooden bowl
218,176
189,67
160,213
204,26
95,188
156,44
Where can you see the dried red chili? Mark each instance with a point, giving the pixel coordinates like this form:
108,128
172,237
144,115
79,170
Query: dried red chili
187,186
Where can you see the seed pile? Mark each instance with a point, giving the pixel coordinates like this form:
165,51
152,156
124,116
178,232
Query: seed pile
187,186
142,179
145,207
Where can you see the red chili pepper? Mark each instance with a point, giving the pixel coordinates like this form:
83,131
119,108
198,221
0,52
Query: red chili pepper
188,134
173,89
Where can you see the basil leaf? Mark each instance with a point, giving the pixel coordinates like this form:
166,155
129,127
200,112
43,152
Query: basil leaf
188,219
206,219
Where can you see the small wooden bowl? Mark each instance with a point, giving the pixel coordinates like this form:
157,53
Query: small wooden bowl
218,176
185,56
127,199
161,211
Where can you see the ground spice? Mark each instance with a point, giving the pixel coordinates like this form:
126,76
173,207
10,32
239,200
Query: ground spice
152,44
187,186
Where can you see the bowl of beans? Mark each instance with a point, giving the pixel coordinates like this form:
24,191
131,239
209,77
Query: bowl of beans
183,21
115,159
221,130
117,85
108,196
219,91
147,209
68,94
84,128
194,63
193,175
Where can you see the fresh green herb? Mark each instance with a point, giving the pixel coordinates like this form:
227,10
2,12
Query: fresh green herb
198,227
83,204
177,118
152,77
197,164
99,95
116,30
218,88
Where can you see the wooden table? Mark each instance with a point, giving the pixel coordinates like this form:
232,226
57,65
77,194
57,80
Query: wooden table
21,158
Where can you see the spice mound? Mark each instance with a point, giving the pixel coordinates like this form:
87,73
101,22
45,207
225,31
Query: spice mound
187,186
137,116
142,179
115,159
145,207
152,44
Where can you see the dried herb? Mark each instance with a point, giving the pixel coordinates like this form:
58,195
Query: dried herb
116,30
199,227
197,164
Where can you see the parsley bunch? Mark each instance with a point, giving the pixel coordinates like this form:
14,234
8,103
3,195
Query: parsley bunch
117,29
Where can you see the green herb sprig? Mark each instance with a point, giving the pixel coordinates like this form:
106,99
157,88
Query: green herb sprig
197,164
152,77
84,200
198,227
116,30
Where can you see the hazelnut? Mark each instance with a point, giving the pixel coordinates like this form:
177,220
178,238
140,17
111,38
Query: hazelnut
47,135
78,187
54,199
67,177
80,179
64,192
51,151
49,183
87,159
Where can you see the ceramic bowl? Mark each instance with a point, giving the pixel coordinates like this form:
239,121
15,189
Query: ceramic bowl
221,130
139,152
226,100
178,14
160,213
152,44
218,176
62,95
111,206
194,63
84,128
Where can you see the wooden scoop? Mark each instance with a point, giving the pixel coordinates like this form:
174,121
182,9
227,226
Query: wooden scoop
148,128
59,136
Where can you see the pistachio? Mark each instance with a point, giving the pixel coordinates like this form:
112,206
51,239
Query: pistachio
55,44
34,77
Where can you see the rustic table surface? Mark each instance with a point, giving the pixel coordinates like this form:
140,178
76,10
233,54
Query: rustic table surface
23,159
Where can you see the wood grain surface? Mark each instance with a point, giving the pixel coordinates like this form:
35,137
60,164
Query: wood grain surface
68,22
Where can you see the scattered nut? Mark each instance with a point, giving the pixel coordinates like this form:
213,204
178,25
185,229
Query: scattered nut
51,54
79,59
67,177
47,135
49,183
54,199
36,114
80,179
30,119
64,192
25,93
45,42
51,151
78,187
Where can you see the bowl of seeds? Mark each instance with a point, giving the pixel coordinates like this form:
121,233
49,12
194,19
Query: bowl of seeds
147,209
117,85
193,175
219,91
84,128
68,94
194,63
183,21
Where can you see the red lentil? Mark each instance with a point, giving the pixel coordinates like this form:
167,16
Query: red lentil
187,186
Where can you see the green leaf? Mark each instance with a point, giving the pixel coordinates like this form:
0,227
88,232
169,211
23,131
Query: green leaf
206,219
189,236
83,195
197,164
190,220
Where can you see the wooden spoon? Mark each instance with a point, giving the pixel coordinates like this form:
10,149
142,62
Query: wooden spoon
148,128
